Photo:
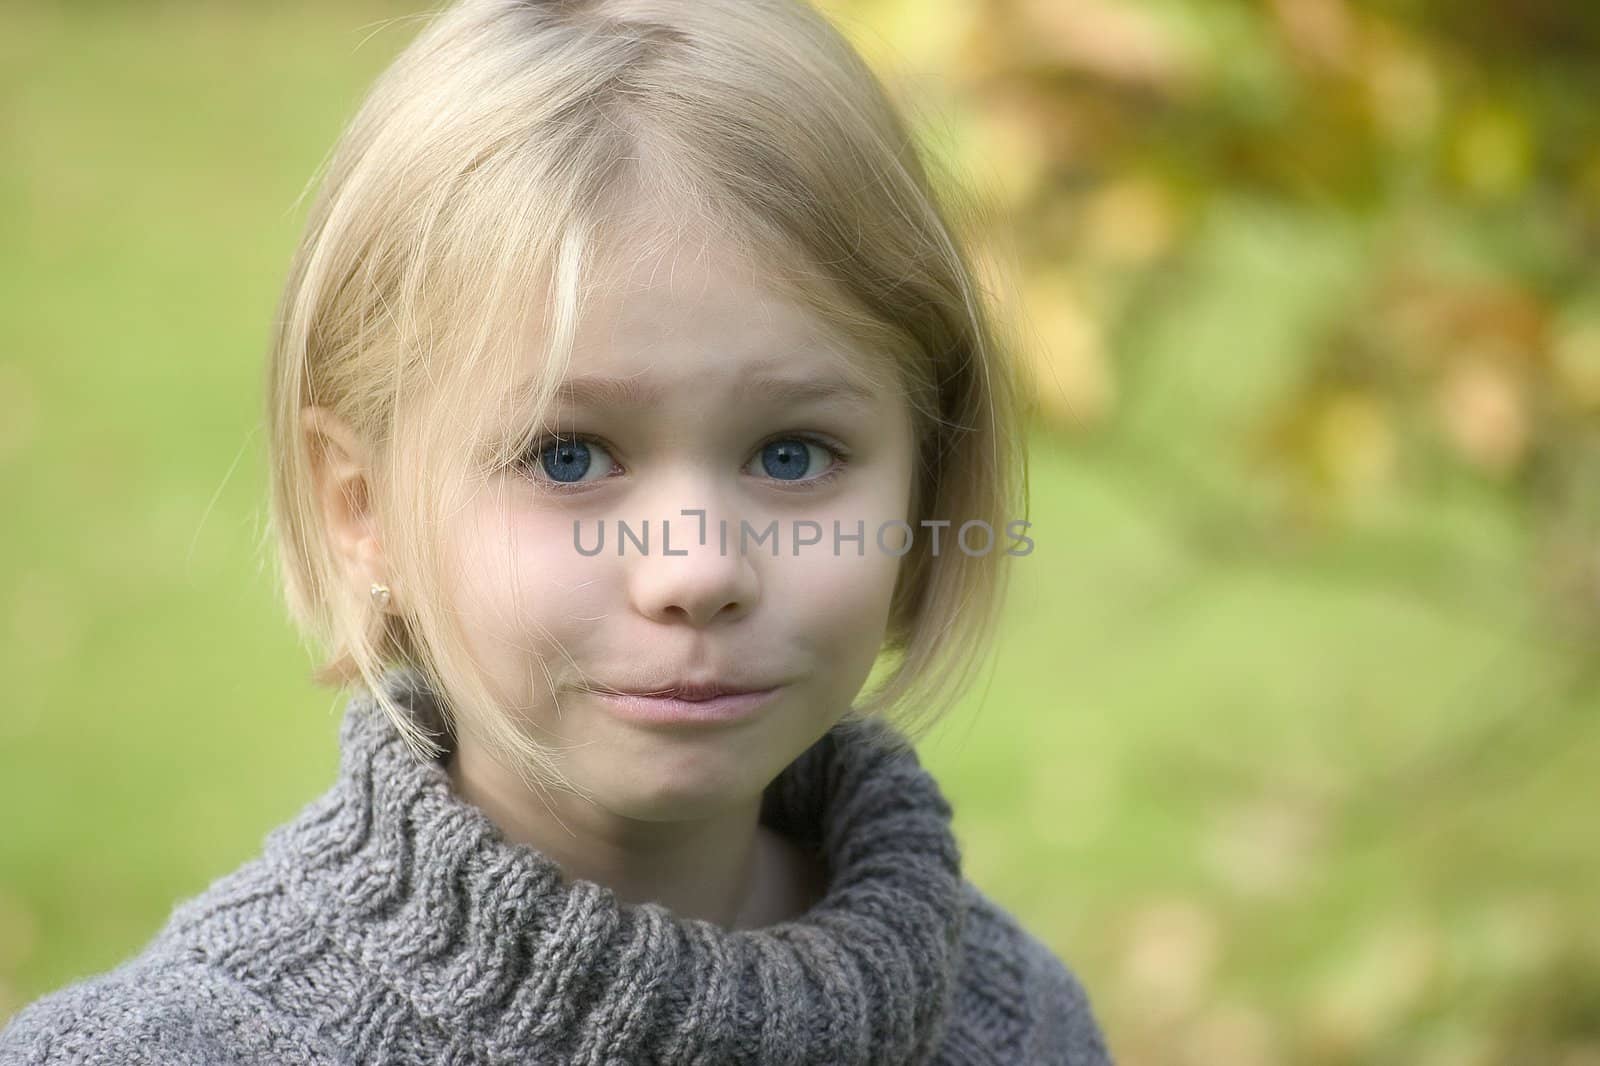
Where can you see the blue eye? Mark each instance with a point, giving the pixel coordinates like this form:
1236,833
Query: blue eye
788,458
563,463
566,460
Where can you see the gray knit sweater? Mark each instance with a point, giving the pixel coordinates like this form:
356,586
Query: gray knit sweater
390,922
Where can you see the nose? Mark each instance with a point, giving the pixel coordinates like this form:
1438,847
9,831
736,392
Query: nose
680,579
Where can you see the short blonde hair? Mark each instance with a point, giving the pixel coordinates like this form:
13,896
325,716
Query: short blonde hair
470,197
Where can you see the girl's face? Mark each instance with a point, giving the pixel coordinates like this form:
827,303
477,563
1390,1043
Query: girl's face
711,361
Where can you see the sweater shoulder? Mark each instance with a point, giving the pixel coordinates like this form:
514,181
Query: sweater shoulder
1017,998
157,1009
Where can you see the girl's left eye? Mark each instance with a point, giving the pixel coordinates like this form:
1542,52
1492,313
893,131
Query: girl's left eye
789,458
563,462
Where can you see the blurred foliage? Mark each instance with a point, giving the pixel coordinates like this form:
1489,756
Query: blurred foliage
1457,142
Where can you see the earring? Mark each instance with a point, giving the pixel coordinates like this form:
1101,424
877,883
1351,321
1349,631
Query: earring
380,595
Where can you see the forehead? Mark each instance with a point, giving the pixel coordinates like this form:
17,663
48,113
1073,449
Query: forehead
775,381
692,315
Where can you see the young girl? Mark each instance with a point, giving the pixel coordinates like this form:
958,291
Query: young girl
630,397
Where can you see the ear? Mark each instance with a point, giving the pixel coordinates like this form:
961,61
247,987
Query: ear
341,471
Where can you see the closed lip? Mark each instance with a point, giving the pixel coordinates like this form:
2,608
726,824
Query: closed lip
691,691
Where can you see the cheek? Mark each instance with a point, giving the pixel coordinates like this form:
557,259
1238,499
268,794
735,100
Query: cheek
521,577
844,602
845,591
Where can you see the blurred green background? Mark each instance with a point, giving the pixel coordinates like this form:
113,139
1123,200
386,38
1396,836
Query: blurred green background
1290,745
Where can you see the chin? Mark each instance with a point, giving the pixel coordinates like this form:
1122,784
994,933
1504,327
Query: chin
684,790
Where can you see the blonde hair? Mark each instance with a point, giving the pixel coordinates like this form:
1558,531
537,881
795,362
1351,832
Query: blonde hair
465,207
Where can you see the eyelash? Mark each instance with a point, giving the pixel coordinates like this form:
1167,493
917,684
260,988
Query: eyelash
529,464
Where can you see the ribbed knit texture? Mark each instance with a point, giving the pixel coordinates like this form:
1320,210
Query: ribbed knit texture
392,922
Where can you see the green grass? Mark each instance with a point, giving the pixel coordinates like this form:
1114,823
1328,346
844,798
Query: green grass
1317,801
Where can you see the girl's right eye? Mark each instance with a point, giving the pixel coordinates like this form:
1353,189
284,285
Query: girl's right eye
564,461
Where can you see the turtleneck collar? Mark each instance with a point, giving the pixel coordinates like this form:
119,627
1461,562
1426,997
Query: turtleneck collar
483,934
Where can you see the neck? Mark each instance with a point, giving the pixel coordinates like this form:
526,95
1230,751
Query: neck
728,869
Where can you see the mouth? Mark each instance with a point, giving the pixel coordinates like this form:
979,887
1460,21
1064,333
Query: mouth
687,691
669,707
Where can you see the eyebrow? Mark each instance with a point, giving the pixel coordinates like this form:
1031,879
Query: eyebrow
631,393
